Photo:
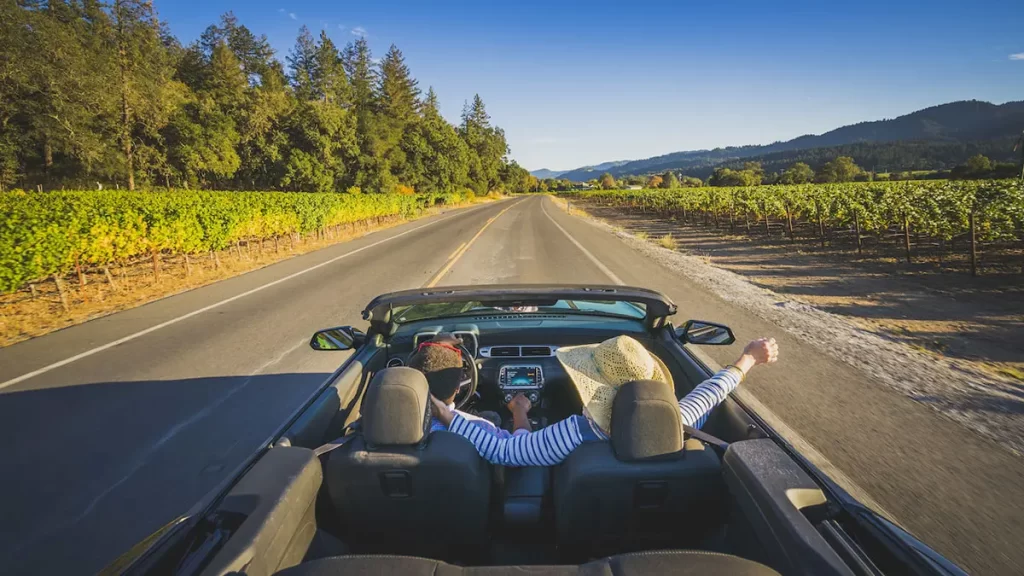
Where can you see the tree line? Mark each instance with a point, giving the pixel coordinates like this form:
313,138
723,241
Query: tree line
102,94
837,170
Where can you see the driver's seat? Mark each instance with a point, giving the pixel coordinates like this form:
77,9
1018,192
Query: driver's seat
399,489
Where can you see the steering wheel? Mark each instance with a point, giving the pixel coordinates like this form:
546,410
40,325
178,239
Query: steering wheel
467,387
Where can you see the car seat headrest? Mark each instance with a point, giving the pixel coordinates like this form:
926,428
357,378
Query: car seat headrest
396,409
646,421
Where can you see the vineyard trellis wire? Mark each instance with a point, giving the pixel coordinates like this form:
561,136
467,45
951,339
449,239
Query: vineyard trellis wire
942,211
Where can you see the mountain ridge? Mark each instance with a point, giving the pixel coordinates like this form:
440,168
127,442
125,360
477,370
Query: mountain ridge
962,123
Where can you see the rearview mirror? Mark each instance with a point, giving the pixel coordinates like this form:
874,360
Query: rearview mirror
339,338
701,332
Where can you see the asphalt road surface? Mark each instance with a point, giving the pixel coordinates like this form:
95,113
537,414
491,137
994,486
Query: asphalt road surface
114,427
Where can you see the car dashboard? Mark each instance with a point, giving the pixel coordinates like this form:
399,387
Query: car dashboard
515,354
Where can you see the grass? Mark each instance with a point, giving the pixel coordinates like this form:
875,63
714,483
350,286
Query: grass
667,241
641,235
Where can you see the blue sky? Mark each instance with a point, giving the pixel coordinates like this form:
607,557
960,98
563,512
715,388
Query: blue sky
577,83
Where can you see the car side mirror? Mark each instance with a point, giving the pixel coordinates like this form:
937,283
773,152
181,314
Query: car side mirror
709,333
339,338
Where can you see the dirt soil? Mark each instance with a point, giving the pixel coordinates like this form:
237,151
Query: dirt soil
941,337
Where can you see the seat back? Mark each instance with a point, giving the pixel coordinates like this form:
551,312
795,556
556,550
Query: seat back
647,488
399,489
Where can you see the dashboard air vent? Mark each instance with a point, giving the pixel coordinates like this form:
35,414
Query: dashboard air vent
395,361
536,351
504,351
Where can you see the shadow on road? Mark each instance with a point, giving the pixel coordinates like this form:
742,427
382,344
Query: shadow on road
91,469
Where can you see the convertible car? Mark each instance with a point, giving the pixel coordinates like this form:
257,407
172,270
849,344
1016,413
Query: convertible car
355,482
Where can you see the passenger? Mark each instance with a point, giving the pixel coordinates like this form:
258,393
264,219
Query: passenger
597,371
441,361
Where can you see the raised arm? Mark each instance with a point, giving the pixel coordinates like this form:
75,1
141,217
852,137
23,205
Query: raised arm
697,405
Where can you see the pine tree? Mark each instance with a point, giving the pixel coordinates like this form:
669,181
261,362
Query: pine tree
398,91
329,80
303,64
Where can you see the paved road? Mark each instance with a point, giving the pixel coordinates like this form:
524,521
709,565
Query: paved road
102,450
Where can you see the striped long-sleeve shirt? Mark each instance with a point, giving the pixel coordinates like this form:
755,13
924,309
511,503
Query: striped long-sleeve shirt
551,445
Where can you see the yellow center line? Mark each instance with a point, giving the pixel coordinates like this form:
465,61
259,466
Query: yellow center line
463,249
452,255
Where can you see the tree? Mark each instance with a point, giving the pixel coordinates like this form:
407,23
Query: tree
978,165
841,169
691,182
486,144
442,156
399,107
798,173
653,182
607,181
669,180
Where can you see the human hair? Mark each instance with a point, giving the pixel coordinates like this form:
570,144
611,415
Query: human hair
443,369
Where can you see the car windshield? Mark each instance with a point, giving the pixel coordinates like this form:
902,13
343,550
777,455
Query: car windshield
610,308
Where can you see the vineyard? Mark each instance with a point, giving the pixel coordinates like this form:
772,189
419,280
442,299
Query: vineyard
46,236
935,218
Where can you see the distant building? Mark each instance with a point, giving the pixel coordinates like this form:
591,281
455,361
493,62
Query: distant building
634,187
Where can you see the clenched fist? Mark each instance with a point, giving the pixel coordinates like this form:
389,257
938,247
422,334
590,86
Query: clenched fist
763,350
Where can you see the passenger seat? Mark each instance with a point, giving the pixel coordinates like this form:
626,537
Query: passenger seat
645,489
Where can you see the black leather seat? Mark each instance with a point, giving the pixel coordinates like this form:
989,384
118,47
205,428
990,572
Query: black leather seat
400,489
646,489
674,562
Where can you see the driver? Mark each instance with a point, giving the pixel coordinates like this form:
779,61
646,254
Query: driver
597,371
440,360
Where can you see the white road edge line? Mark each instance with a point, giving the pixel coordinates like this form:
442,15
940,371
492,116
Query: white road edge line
607,272
141,333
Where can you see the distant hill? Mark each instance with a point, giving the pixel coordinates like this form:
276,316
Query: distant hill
545,173
594,171
941,133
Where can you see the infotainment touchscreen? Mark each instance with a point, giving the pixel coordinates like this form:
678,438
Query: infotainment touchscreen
522,377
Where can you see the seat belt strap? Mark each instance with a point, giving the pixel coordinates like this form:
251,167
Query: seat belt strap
333,445
718,443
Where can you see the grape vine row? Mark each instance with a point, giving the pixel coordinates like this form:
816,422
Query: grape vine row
44,235
942,211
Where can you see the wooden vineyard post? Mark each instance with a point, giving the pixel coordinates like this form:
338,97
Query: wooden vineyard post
821,224
156,265
789,222
856,230
974,244
906,236
188,266
61,293
32,289
110,278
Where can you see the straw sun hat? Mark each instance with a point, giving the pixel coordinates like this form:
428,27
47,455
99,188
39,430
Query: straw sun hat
598,370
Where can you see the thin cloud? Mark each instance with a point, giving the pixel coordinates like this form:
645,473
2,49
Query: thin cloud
359,31
1017,56
341,26
293,16
281,10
